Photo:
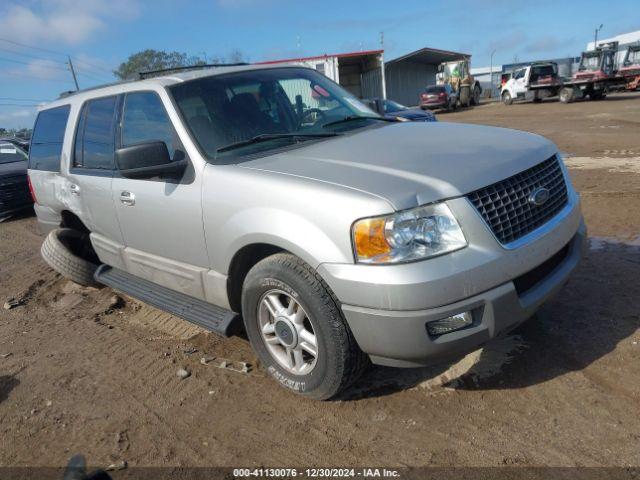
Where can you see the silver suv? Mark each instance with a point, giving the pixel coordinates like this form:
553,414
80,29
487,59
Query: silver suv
272,194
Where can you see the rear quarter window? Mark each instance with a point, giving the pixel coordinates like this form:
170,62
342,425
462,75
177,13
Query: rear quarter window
47,139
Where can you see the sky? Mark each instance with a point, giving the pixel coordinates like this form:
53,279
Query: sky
100,34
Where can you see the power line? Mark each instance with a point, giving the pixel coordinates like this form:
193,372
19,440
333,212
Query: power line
33,77
32,64
77,60
31,46
106,70
19,105
24,99
29,55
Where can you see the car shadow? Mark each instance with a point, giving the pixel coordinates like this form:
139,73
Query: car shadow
7,384
591,315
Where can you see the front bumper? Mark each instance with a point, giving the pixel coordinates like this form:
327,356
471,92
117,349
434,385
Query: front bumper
387,307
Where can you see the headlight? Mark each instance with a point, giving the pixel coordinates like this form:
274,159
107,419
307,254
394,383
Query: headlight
407,236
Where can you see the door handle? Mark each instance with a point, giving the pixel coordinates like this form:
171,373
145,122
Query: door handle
127,198
74,189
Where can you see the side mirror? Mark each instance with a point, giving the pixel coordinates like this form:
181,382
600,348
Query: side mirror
147,160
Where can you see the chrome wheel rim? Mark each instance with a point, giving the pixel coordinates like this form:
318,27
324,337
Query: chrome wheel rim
287,332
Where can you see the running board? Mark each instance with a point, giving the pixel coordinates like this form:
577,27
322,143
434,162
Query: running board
194,310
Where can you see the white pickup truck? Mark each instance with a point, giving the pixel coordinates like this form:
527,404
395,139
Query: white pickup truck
532,82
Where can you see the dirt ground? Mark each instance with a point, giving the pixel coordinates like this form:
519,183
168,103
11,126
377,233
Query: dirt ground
84,371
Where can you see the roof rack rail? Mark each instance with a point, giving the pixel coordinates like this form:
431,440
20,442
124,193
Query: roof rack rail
152,73
70,93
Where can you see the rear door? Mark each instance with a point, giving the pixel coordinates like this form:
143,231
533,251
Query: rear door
161,218
45,156
91,170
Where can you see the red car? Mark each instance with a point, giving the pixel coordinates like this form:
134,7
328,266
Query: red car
438,96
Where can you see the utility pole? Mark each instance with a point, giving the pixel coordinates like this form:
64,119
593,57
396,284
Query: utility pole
383,79
491,73
595,40
73,73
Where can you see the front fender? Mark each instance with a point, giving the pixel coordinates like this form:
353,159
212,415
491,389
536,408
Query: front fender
289,231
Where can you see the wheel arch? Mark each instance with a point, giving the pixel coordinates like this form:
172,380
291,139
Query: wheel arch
68,219
243,261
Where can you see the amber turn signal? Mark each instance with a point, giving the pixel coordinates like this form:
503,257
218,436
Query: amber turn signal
369,238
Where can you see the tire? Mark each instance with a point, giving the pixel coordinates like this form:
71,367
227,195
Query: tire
597,95
338,362
475,99
566,95
63,250
465,96
507,99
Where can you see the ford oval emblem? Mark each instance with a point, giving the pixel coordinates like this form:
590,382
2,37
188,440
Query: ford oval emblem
539,197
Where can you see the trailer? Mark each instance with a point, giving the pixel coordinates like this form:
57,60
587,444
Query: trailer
630,68
595,77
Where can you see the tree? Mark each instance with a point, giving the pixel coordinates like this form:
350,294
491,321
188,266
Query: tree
236,56
150,59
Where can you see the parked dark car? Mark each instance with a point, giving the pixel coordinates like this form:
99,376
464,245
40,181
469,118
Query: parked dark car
23,143
395,110
439,96
14,186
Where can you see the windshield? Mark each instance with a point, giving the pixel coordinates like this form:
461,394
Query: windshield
278,106
9,153
590,62
390,106
633,58
439,89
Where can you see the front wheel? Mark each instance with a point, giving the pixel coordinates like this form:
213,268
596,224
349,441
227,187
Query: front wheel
567,95
297,329
465,96
507,99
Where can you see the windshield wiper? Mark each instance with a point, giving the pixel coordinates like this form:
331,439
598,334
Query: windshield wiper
274,136
351,118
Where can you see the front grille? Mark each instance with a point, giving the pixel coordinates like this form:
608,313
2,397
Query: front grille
14,192
530,279
505,205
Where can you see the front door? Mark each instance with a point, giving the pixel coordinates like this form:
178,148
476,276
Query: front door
161,218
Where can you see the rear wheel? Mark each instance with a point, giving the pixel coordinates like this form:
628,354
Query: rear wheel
475,100
297,329
69,253
507,99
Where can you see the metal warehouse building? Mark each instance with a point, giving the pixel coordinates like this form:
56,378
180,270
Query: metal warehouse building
408,75
360,73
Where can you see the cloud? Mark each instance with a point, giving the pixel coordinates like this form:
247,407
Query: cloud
63,21
19,118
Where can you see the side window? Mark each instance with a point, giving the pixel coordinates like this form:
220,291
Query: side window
146,120
46,142
95,145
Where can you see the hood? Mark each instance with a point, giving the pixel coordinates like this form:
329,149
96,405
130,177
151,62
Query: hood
413,163
13,168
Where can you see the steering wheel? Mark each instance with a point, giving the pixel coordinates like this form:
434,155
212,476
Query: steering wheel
319,113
